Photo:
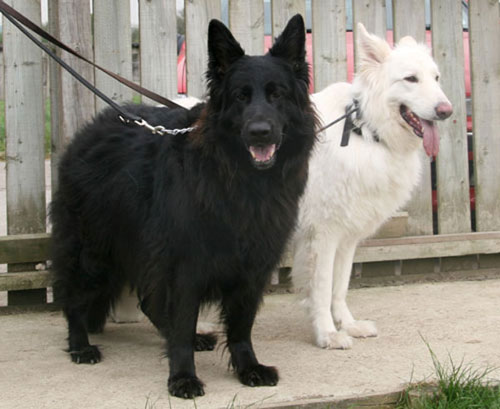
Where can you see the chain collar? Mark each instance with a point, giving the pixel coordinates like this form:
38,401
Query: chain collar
159,129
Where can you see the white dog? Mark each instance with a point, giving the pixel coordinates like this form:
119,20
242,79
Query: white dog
354,189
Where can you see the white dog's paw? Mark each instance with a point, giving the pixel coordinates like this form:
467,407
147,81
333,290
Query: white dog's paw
334,340
361,329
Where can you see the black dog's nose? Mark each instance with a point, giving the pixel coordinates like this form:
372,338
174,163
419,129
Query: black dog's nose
259,129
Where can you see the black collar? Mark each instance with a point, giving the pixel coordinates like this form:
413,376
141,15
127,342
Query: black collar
350,126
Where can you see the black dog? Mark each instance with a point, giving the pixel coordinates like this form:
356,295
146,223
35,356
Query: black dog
188,219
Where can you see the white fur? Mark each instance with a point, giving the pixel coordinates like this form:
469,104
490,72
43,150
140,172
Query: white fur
353,190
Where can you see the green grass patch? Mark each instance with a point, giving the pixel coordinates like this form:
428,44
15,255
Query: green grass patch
459,386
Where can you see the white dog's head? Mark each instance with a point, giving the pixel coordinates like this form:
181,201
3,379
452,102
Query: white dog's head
403,87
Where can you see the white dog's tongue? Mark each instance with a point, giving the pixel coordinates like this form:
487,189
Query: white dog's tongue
431,138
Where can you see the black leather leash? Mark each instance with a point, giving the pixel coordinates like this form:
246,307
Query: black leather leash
348,125
18,20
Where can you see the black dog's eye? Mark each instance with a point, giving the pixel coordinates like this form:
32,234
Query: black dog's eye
242,97
275,95
411,78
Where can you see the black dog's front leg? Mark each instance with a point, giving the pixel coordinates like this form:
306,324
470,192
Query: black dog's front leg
182,315
239,312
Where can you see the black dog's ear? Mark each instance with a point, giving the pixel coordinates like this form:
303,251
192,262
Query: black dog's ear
223,49
291,44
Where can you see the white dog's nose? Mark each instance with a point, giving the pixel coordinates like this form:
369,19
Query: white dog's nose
444,110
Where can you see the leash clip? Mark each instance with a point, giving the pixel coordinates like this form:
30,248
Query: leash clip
161,130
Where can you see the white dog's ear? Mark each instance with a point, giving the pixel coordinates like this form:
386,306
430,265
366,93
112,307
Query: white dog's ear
372,49
407,40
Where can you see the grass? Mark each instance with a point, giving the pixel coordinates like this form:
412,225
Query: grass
459,386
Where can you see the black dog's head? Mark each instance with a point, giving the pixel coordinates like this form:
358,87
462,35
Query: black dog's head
257,103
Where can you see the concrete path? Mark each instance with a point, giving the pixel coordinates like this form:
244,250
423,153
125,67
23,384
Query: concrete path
461,319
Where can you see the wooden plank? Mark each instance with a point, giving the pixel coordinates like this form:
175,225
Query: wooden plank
428,247
481,274
112,49
24,126
329,42
409,19
246,22
74,103
22,248
484,33
25,280
197,14
158,50
55,92
282,11
372,13
24,130
452,162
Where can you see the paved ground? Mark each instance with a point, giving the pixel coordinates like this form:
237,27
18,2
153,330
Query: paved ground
461,319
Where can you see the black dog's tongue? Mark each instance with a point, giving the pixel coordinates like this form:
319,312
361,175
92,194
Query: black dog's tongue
262,153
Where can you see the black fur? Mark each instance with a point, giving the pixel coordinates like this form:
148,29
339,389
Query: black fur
187,219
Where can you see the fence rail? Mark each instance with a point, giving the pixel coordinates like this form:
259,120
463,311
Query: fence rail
474,225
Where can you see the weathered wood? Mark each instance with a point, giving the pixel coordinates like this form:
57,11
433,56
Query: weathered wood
112,49
444,245
25,280
246,22
282,11
395,227
23,248
409,19
451,165
329,42
484,34
24,126
72,105
431,277
197,14
158,52
24,130
372,13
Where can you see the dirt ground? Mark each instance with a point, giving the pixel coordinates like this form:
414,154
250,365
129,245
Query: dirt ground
461,319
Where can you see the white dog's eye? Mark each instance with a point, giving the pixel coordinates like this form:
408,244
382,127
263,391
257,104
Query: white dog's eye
437,77
411,78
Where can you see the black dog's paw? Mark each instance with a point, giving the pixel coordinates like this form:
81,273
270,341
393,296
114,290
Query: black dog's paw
259,375
88,355
187,387
205,342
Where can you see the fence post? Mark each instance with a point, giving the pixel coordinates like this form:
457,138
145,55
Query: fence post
112,49
24,129
246,21
158,49
451,164
409,19
72,105
282,11
329,42
372,13
484,31
197,15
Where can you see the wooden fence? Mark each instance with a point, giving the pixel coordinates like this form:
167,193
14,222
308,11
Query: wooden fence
448,237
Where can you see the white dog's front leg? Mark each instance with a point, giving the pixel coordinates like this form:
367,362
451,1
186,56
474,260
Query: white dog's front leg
341,314
321,257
